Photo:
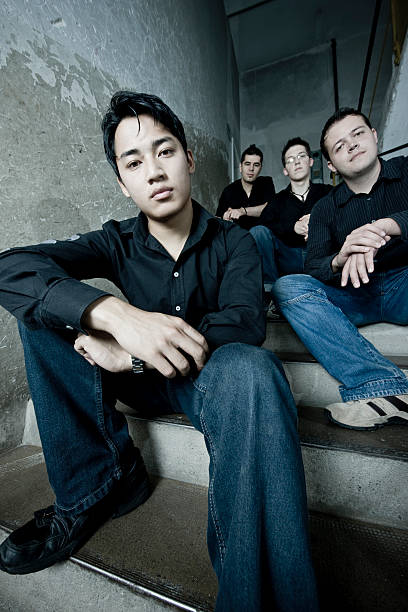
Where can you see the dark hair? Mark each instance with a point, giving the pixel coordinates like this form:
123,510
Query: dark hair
338,116
291,143
130,104
252,150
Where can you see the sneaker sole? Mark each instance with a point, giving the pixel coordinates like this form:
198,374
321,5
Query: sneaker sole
392,420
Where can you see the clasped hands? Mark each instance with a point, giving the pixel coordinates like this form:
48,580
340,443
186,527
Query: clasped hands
356,256
119,330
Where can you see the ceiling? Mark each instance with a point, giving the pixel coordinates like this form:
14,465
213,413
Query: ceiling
276,29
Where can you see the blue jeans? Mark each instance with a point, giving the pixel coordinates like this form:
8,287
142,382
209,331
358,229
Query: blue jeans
241,402
325,319
278,259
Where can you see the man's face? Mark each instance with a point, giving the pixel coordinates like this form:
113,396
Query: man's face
352,147
153,167
250,168
297,163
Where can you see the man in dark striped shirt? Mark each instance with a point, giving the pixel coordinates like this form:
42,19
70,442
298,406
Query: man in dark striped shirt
357,273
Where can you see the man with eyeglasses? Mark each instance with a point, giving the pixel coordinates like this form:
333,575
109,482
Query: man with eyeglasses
244,200
282,233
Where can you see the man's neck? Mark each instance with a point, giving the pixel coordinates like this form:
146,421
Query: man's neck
300,187
365,182
173,232
247,187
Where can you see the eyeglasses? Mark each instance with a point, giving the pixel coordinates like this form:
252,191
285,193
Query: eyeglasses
299,157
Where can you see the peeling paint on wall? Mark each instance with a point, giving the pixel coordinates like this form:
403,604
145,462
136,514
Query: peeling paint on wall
60,62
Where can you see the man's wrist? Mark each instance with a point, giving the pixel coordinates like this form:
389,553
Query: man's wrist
389,226
335,264
105,314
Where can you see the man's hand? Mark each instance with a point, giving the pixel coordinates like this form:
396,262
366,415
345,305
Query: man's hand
100,348
233,213
356,256
301,226
158,339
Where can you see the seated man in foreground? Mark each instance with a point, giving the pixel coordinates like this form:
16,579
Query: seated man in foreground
244,200
193,283
357,259
281,236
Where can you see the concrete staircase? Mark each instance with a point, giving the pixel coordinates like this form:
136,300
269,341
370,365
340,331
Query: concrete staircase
156,559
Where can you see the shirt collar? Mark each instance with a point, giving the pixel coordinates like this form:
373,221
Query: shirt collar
202,220
390,171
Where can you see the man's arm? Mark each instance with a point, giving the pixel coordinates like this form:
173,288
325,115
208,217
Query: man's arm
250,211
160,340
240,316
41,286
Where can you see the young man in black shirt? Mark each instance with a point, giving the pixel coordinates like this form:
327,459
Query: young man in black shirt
184,341
357,257
244,200
281,236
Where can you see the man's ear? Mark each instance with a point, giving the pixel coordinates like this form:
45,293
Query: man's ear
285,172
375,134
311,162
331,167
240,168
123,188
190,161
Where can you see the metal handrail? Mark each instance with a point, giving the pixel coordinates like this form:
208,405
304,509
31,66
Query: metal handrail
404,146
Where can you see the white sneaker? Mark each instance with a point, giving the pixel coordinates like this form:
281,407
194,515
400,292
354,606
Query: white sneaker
370,413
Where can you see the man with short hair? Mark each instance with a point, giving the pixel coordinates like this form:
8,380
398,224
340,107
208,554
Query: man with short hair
244,200
357,260
281,236
184,341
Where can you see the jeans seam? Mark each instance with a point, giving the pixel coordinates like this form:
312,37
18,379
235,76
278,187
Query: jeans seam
309,294
101,422
211,504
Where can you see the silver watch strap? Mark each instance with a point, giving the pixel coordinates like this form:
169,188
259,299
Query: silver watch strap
137,365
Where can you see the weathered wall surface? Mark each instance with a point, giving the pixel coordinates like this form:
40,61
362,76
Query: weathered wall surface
295,97
60,62
394,125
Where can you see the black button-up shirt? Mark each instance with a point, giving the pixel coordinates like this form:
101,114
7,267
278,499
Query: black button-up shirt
282,212
235,196
342,211
215,284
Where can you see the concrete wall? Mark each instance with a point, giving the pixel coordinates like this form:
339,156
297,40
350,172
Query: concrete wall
60,62
294,97
394,124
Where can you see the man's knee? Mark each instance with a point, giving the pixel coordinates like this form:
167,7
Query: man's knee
293,286
247,367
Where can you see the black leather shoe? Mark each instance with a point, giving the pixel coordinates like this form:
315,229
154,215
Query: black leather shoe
52,537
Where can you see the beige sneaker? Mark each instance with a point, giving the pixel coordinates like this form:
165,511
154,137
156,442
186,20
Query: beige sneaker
370,413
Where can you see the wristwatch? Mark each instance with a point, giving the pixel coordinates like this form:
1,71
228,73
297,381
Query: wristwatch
137,365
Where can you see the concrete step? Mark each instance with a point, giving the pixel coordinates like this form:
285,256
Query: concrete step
387,338
151,560
155,558
355,474
312,385
360,475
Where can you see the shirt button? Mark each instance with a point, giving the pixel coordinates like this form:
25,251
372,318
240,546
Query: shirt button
68,327
178,308
176,274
